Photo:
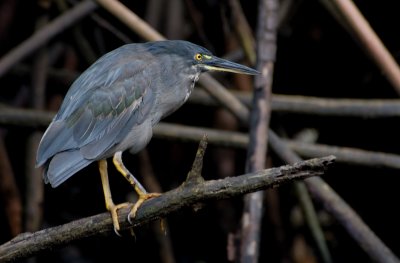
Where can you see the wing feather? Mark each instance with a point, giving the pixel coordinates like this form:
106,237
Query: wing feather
111,102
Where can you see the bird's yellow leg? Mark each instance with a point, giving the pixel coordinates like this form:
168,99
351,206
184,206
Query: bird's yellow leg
142,193
110,206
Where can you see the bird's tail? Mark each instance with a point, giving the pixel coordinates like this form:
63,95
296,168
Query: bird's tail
62,166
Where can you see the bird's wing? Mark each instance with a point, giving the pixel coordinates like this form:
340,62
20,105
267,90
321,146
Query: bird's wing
102,115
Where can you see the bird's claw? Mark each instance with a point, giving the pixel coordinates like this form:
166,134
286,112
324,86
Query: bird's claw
114,215
142,198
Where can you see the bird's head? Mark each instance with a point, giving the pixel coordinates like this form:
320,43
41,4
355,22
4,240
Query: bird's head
199,58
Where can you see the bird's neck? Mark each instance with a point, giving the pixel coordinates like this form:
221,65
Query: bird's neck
194,78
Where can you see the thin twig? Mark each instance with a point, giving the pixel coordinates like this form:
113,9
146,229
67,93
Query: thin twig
45,34
194,176
29,244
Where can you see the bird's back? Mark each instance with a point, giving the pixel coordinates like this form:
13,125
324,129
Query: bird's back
97,113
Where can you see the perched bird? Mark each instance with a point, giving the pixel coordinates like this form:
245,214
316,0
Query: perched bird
113,105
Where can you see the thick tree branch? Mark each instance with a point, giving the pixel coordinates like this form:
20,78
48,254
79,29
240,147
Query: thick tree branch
29,244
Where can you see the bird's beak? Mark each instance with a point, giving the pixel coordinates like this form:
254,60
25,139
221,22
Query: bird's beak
219,64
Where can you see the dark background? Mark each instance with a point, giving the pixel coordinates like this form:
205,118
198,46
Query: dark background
315,57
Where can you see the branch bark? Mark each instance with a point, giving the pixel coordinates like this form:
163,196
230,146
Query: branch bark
29,244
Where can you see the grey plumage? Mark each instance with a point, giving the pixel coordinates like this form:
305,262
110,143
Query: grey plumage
115,103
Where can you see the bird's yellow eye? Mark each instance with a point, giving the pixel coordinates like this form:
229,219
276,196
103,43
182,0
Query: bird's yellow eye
198,57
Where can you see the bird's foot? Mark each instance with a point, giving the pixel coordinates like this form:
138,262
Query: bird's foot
114,215
142,197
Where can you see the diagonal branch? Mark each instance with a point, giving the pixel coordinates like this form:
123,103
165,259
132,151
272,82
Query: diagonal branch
370,41
45,34
29,244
